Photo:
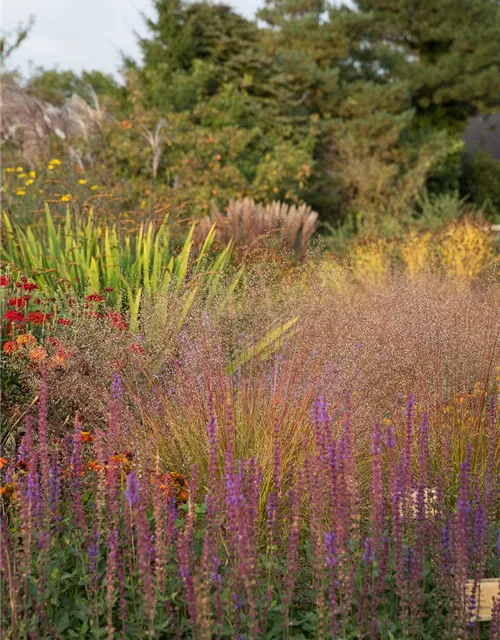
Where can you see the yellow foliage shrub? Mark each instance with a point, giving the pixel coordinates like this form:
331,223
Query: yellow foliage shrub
370,261
466,248
416,249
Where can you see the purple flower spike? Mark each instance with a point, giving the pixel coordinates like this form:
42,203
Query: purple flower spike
132,491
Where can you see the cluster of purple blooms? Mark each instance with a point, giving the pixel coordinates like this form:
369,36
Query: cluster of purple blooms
306,548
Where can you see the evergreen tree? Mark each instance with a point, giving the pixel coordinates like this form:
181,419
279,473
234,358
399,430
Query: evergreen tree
447,50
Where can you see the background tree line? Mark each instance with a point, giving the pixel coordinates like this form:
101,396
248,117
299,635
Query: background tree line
356,110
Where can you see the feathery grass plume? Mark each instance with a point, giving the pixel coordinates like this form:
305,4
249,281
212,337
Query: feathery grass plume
249,224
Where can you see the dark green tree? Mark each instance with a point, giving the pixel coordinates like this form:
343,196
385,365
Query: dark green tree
446,50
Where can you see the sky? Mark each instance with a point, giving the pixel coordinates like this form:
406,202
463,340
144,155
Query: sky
82,34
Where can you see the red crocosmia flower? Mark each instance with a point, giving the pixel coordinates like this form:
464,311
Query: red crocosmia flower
136,348
37,301
37,317
64,321
108,289
14,316
94,297
19,285
30,286
24,279
4,281
26,297
16,302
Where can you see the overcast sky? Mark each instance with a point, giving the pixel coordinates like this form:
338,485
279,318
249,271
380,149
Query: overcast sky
82,34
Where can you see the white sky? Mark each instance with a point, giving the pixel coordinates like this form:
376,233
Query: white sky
82,34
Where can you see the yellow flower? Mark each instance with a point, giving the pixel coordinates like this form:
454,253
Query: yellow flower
94,187
50,167
28,182
20,192
41,191
10,169
82,181
32,174
19,169
66,197
143,204
55,162
22,175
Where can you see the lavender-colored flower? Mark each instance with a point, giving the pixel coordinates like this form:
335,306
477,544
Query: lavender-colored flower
132,490
116,387
43,441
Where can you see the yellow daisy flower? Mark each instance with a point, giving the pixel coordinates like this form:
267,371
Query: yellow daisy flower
82,181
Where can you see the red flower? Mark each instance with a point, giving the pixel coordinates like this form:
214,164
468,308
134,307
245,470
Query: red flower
14,316
19,285
117,320
37,317
16,302
94,297
26,298
30,286
64,321
4,281
136,348
37,301
108,289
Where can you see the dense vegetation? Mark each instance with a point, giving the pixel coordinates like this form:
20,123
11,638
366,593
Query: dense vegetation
250,322
354,110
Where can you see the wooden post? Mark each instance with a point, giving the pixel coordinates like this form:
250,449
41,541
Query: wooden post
489,589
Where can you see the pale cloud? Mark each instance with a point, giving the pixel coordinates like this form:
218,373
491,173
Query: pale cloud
78,35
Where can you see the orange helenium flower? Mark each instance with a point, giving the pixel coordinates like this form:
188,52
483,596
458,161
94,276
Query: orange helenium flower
10,347
26,340
37,354
177,485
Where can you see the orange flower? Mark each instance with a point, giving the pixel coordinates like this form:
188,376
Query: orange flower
37,354
94,466
59,360
86,436
10,347
26,340
177,485
7,490
3,462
